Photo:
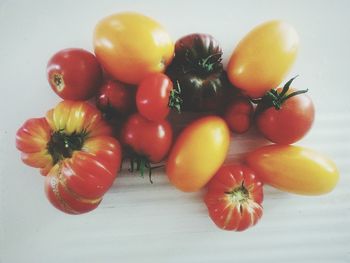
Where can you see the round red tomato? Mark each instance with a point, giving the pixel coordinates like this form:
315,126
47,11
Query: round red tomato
152,96
148,139
234,198
115,98
238,114
74,74
285,116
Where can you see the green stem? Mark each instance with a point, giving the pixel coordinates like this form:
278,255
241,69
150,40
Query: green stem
275,99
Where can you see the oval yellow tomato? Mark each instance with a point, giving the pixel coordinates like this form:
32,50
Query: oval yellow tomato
294,169
198,153
130,45
263,57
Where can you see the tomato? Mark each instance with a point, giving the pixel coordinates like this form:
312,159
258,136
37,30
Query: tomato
263,57
198,153
74,74
130,46
74,150
234,198
148,139
294,169
153,96
238,114
198,70
285,115
115,98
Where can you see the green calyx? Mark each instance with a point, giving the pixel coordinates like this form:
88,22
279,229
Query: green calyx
275,99
175,100
239,194
142,164
62,145
204,65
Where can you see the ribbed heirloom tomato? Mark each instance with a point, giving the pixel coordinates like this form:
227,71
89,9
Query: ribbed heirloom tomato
198,153
130,46
73,148
234,198
263,57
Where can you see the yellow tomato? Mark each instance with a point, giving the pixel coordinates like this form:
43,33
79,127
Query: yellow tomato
130,45
294,169
198,153
263,57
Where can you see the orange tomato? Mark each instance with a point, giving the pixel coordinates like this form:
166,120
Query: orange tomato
263,57
198,153
294,169
130,45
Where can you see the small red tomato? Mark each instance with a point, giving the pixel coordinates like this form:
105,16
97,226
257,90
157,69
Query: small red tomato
147,138
74,74
285,116
152,96
234,198
115,98
238,114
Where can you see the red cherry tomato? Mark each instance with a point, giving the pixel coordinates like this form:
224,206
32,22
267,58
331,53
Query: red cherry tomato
289,120
74,74
152,96
147,138
234,198
238,114
115,98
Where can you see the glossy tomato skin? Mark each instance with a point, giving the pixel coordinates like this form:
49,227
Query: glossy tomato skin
116,98
294,169
239,114
288,124
147,138
152,96
198,153
198,70
267,53
130,46
234,197
74,74
74,149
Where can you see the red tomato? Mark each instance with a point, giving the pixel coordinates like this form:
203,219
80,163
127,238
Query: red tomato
238,114
234,198
152,96
147,138
74,74
287,119
74,149
115,98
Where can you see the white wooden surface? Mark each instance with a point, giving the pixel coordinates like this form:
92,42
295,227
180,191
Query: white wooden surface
139,222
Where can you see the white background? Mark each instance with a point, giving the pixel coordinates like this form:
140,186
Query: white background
139,222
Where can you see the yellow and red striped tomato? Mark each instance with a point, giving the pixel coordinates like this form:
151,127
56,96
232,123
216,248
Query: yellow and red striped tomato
294,169
234,198
74,149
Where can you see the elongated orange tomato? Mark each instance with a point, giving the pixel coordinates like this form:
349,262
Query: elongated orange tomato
130,46
198,153
294,169
74,149
263,57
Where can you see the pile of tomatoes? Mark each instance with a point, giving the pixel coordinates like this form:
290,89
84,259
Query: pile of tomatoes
116,105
